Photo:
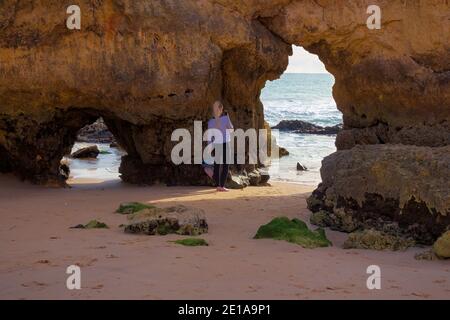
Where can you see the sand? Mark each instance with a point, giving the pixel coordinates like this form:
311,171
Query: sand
37,245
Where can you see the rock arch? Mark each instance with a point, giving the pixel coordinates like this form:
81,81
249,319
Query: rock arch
151,66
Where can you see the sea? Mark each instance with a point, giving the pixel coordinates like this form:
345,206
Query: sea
306,97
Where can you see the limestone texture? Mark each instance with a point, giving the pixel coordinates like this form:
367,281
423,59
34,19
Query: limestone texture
393,188
161,221
376,240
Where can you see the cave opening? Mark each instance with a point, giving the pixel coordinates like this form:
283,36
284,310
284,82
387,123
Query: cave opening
95,155
300,105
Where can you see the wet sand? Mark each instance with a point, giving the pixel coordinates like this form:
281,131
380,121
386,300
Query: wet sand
37,245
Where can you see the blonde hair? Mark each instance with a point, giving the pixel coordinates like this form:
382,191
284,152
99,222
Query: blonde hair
218,103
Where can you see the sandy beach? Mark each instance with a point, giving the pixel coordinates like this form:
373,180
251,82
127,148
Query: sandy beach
37,245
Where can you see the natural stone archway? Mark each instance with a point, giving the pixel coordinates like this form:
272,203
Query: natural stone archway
149,67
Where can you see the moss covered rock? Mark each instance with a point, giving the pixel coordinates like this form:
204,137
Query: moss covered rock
161,221
93,224
192,242
376,240
132,207
294,231
442,246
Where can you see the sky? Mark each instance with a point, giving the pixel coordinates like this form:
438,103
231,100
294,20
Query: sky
305,62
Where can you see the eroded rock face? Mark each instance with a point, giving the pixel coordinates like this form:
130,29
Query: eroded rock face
149,67
401,190
146,67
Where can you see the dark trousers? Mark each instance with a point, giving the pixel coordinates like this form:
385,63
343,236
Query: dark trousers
221,165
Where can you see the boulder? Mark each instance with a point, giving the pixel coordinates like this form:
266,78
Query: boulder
161,221
320,219
64,169
428,255
90,152
294,231
96,132
283,152
301,167
237,181
93,224
442,246
299,126
254,178
115,144
376,240
401,190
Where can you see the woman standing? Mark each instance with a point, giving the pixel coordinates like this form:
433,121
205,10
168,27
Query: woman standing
221,121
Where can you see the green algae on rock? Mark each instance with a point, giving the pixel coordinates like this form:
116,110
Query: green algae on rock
294,231
93,224
442,246
132,207
192,242
161,221
377,240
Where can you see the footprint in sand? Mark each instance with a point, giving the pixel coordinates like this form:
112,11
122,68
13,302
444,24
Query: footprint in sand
253,289
420,295
99,247
333,288
394,287
34,284
97,287
86,264
440,281
43,261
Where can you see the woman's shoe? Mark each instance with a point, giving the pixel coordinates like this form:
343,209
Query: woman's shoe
224,189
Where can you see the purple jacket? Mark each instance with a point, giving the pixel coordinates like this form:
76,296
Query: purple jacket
223,125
